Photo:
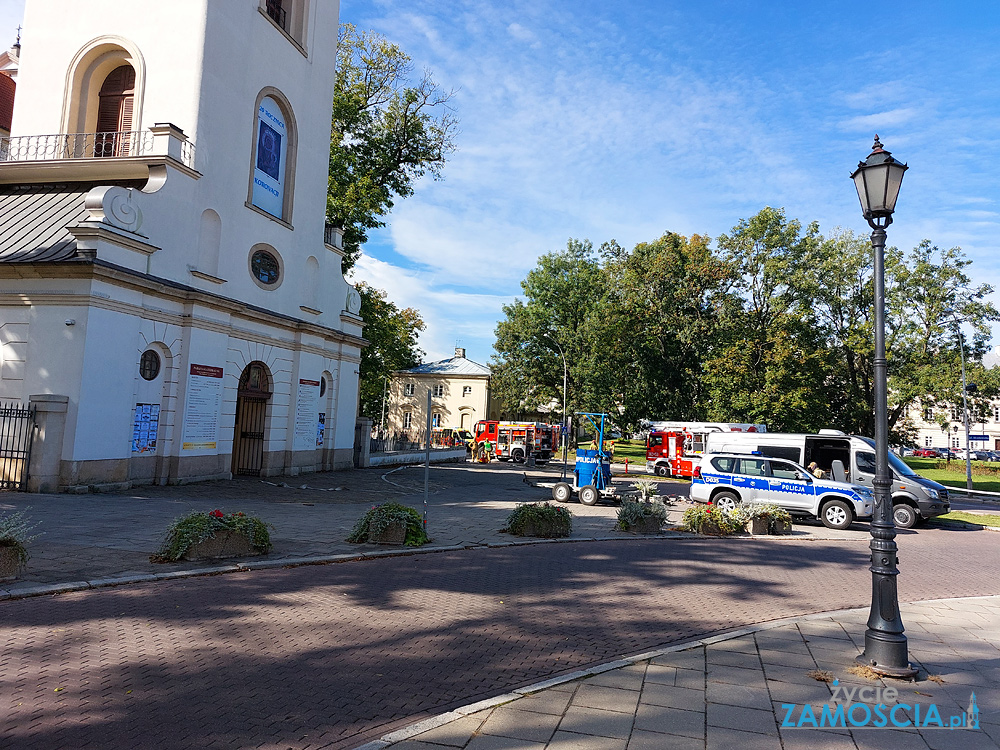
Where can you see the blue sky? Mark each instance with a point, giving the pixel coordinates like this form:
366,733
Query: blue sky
601,121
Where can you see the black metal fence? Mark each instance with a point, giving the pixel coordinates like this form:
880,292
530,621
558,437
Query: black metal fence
17,426
410,440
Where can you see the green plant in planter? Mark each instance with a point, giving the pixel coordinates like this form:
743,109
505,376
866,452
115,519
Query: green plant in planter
708,519
645,489
775,516
199,526
539,519
380,517
635,513
14,534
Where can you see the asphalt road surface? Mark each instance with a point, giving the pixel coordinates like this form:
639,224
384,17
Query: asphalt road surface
329,656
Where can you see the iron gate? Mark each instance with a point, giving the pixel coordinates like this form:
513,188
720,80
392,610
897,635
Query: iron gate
17,426
248,447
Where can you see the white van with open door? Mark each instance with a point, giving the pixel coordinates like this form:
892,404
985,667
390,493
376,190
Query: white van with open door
844,458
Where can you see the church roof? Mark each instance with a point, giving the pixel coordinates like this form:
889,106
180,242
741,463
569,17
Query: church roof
33,222
453,366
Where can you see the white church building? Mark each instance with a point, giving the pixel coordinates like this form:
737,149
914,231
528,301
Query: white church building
171,301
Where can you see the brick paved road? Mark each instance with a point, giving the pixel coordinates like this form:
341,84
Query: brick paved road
329,656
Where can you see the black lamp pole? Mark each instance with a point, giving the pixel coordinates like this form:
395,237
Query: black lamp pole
878,179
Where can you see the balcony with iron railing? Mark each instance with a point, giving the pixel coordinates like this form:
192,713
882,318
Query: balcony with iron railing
99,153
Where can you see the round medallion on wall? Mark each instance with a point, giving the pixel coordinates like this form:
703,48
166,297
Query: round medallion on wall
265,267
353,301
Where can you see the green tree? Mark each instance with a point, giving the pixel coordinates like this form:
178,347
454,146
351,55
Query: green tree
386,134
393,335
769,361
659,310
560,309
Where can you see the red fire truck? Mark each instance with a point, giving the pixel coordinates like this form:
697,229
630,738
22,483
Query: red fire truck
517,441
673,449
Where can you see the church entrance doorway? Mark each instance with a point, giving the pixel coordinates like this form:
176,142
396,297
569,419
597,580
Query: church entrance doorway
251,419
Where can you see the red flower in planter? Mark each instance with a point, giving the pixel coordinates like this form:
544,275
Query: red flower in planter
216,513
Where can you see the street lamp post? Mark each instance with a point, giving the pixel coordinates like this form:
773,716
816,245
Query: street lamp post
965,400
565,426
877,180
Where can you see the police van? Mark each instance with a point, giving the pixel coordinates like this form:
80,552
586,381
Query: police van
844,458
728,479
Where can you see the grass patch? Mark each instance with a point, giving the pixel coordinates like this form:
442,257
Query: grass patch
980,519
985,475
633,450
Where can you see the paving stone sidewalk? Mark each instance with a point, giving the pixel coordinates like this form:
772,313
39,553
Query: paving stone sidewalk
756,688
96,540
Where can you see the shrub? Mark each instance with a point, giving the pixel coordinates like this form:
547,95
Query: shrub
14,528
382,516
773,513
633,512
199,526
708,519
539,519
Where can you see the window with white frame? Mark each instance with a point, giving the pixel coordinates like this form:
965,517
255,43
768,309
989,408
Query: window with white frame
466,391
438,391
928,441
954,414
954,442
996,413
408,389
436,420
407,419
928,414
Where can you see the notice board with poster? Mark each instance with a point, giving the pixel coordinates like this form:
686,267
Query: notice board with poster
145,427
201,411
306,404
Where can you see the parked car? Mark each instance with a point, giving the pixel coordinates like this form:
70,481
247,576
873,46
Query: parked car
728,479
906,451
926,453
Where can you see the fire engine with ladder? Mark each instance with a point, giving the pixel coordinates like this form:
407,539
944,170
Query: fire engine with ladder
518,441
673,449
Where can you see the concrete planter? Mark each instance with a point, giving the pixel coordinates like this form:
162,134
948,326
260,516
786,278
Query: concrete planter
758,526
10,563
394,533
647,525
543,530
778,527
223,545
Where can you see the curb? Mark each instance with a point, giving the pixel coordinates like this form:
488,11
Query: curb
434,722
295,562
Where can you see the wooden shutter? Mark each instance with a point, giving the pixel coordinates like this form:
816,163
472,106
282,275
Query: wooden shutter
114,112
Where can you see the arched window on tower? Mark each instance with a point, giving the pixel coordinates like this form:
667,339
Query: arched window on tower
114,113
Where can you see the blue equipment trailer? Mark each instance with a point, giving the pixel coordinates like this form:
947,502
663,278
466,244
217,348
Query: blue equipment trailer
592,473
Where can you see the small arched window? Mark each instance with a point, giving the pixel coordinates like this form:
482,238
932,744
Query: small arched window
273,163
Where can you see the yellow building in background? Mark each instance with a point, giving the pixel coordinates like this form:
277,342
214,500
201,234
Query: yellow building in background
460,395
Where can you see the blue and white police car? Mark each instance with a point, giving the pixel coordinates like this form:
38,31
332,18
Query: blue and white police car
728,479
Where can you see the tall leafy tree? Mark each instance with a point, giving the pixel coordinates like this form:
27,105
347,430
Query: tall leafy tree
393,333
387,133
560,309
659,311
768,363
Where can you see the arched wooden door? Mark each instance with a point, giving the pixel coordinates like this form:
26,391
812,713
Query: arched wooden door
251,419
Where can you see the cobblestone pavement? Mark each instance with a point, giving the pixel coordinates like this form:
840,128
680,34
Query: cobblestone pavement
331,655
95,539
328,656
